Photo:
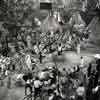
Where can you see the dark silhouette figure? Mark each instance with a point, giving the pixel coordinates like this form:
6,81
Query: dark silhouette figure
89,69
40,57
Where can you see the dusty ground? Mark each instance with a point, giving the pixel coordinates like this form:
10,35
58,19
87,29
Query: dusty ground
11,94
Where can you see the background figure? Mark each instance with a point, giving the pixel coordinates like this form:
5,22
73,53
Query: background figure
9,82
40,56
78,48
80,92
27,78
81,62
59,49
28,61
89,69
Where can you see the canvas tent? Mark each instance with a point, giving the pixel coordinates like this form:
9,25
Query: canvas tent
77,21
50,24
94,26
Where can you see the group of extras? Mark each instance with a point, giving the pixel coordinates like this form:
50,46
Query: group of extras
63,85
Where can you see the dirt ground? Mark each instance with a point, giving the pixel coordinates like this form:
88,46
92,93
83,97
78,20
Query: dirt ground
11,94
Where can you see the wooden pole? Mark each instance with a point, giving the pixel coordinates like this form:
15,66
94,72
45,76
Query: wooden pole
58,78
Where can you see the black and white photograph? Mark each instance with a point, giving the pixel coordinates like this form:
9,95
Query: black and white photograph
49,49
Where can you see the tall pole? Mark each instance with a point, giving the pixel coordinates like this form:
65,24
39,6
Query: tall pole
58,78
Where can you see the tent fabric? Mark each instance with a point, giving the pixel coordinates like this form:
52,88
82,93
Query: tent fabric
78,22
76,19
93,23
50,24
94,26
87,17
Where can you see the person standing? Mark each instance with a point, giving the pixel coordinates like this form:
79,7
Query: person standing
81,62
9,82
78,48
96,91
28,61
37,87
27,78
80,92
89,69
59,49
40,56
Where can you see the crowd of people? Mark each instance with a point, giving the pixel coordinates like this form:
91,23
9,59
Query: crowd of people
74,84
24,53
51,82
82,82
